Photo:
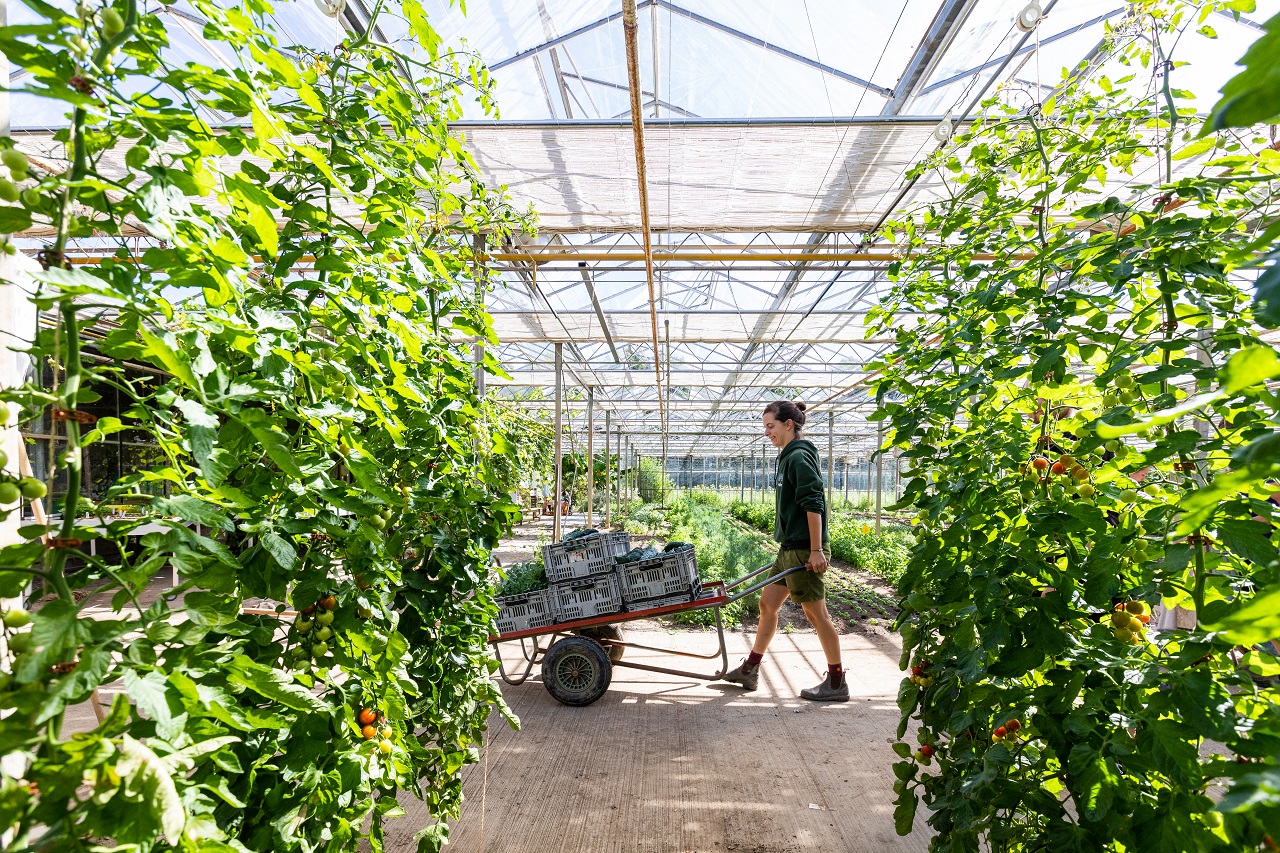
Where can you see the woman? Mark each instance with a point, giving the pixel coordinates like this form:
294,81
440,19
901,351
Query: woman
800,528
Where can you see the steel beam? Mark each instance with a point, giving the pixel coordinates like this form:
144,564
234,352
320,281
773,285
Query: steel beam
547,45
951,16
1019,50
595,303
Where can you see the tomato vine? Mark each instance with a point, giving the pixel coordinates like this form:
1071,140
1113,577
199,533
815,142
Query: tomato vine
310,286
1091,433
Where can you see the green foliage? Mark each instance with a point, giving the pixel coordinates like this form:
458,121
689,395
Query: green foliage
522,577
316,418
725,550
853,539
1104,319
655,486
1252,96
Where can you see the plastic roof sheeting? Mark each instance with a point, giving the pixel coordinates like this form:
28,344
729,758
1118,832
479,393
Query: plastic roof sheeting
730,177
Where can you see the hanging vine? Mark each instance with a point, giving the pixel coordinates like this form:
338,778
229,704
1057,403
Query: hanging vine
1079,416
309,289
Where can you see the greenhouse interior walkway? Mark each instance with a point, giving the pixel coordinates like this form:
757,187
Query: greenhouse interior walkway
670,764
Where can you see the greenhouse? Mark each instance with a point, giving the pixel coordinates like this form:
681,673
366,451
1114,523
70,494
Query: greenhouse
482,423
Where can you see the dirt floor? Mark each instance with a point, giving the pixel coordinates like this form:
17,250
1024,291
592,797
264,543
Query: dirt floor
675,764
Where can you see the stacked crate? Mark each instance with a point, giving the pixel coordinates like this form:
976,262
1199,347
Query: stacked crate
669,578
583,576
585,580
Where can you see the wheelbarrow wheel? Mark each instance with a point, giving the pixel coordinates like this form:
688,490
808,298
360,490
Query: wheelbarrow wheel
576,671
606,632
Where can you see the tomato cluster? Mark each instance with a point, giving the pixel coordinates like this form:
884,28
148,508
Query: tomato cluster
1129,621
372,726
312,629
1007,732
918,676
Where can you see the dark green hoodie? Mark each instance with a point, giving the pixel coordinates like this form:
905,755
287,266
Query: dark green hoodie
798,491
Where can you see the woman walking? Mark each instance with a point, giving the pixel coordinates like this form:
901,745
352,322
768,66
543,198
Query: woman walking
800,529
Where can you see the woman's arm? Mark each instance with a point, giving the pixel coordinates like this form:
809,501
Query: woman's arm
817,558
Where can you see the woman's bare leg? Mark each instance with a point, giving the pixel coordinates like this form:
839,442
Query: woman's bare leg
820,619
771,598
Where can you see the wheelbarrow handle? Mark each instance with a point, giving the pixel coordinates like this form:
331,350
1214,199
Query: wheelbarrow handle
761,584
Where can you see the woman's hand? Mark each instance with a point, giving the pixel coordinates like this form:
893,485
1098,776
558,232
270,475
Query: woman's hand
817,562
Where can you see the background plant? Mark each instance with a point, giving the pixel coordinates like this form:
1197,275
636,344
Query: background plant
318,421
1062,465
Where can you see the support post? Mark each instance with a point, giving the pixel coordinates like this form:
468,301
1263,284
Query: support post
591,455
559,458
742,479
608,503
831,460
845,463
879,472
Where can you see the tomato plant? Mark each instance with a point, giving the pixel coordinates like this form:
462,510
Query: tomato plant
1112,343
308,287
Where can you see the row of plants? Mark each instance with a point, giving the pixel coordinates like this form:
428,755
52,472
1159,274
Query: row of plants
853,539
1091,434
307,290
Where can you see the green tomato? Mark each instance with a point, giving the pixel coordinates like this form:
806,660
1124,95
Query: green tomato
318,649
303,626
1213,820
1126,397
1152,490
1086,491
16,618
15,160
378,522
4,459
19,643
1112,445
325,618
324,634
6,681
112,23
385,746
9,493
8,191
1129,495
31,198
31,488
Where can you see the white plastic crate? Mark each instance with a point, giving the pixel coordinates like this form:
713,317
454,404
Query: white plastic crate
674,573
582,558
583,598
525,610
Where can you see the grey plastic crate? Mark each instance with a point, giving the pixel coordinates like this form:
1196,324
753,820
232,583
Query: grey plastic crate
669,574
583,598
691,594
535,609
582,558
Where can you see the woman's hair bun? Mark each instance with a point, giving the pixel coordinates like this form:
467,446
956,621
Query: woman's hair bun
801,406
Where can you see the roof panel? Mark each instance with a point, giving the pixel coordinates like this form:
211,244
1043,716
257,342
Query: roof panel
702,177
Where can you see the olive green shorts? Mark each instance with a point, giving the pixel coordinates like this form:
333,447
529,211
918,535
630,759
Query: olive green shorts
803,586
